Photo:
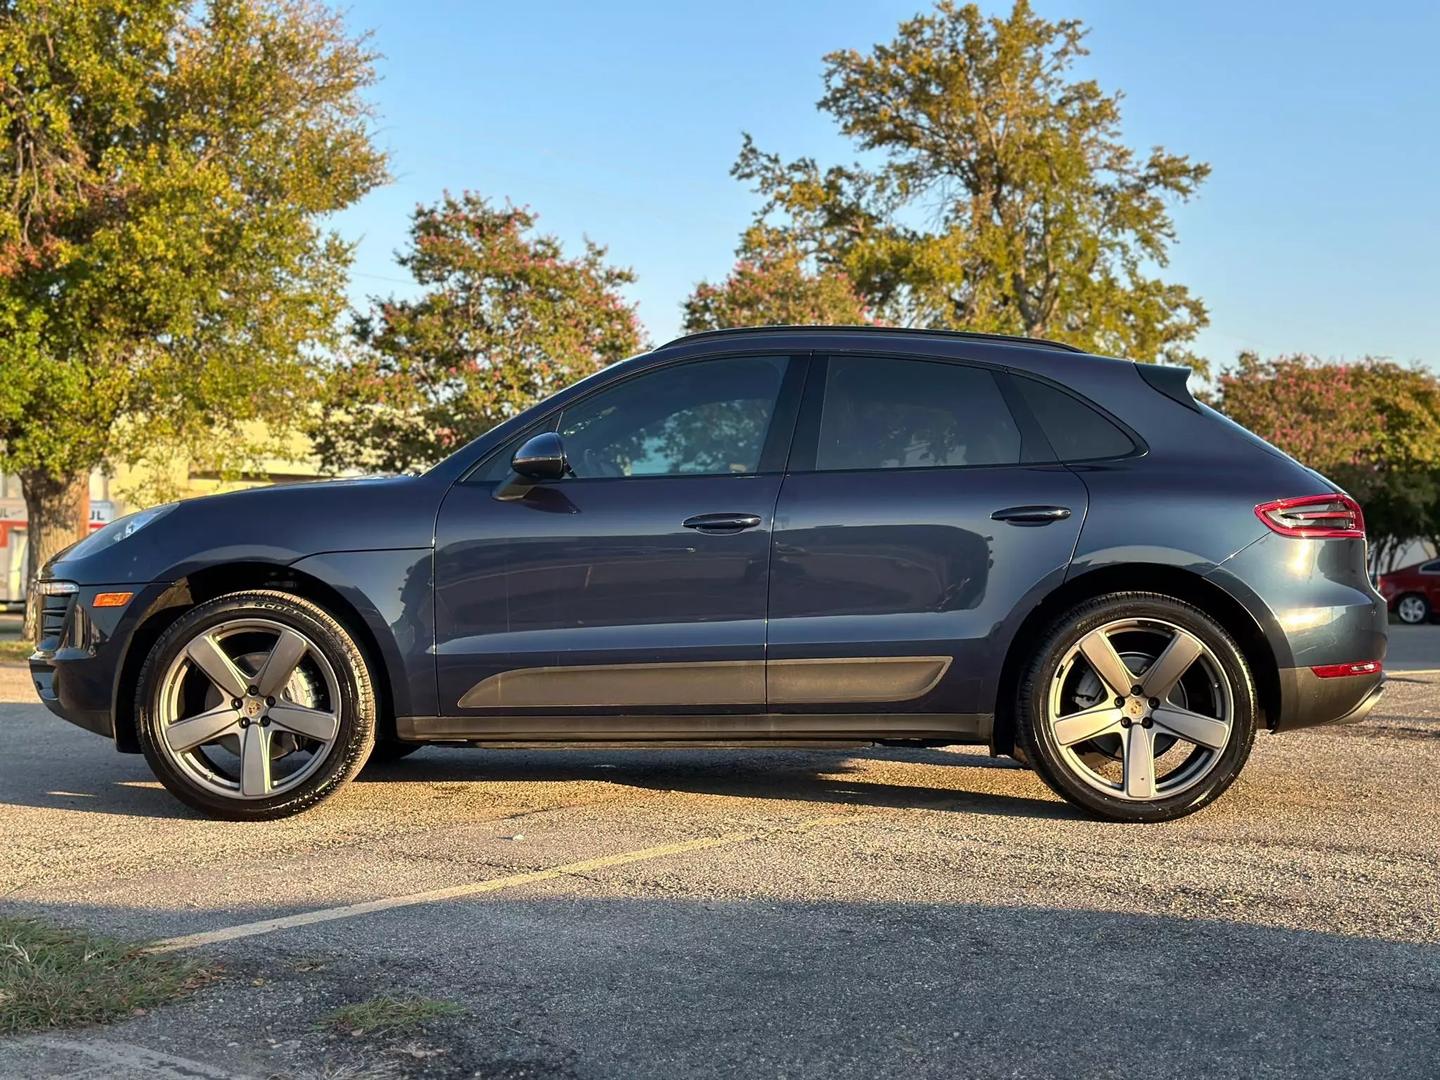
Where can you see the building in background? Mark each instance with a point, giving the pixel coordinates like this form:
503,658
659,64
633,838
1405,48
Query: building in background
13,531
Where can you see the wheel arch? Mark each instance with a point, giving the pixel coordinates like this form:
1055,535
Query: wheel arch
1144,577
212,581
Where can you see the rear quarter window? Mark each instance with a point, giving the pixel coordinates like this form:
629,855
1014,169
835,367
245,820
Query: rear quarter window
1077,431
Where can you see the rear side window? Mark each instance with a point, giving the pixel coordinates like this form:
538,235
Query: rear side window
1076,431
886,413
1431,567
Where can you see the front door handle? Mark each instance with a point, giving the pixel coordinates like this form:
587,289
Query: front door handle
1031,515
722,523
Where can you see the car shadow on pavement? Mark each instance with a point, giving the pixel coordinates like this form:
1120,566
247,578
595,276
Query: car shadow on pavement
122,784
792,775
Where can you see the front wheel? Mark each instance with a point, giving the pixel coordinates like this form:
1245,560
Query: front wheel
255,705
1137,707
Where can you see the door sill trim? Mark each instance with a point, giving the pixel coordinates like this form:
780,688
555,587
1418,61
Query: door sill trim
766,729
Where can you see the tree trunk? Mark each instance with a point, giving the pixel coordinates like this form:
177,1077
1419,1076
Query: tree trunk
56,509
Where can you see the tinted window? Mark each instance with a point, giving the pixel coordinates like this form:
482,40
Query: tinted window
884,413
705,418
1075,430
1431,568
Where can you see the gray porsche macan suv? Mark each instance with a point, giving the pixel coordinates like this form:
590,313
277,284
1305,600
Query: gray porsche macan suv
798,536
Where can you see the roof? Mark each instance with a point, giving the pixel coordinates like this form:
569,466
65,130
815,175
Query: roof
966,335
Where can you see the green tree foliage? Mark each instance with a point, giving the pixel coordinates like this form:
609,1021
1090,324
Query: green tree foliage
1372,426
772,284
504,319
999,195
165,167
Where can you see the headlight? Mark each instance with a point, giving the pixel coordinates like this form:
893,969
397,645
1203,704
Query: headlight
117,530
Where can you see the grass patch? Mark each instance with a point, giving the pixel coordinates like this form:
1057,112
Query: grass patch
10,649
387,1015
52,977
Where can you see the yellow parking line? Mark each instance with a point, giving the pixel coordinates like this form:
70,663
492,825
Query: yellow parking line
453,892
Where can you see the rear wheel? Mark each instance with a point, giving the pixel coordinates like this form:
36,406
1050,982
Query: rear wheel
1137,707
1412,609
255,705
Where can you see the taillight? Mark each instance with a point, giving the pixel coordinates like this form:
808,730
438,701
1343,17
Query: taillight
1314,517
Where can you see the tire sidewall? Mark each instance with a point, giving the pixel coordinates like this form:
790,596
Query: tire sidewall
353,742
1038,738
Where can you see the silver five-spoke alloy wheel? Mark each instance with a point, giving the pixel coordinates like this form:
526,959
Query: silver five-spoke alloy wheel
249,709
1141,709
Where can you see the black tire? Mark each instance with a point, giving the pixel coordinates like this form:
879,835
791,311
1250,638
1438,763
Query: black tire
1424,608
356,708
1036,740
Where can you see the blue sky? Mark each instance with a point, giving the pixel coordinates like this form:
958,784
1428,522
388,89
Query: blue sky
1316,232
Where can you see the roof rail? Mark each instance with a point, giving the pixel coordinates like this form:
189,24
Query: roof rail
968,335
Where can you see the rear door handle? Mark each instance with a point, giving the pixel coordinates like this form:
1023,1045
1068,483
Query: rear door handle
1031,515
722,523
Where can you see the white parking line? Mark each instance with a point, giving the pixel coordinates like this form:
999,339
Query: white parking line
454,892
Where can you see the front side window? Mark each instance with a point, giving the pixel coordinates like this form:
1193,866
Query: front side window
705,418
885,413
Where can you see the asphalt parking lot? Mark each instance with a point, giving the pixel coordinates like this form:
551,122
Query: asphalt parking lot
662,914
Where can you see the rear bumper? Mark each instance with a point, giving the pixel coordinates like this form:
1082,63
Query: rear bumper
1310,701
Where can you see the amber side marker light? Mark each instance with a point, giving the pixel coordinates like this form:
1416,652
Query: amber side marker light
111,599
1339,671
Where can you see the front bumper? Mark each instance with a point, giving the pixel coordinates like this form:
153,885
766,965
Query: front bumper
77,663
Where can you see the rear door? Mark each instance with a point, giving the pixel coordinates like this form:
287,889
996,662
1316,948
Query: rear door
922,517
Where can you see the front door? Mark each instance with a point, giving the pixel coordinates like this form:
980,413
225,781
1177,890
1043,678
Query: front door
635,588
919,514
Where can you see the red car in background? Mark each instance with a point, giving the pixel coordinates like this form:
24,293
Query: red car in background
1413,592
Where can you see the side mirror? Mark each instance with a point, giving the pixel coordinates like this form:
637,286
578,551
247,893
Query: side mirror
540,458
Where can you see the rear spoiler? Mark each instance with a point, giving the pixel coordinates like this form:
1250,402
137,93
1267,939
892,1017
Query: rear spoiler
1173,382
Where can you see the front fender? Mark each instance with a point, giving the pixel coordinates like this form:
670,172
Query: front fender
392,594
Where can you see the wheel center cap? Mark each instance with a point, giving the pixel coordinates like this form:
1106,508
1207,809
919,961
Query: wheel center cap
1136,708
253,708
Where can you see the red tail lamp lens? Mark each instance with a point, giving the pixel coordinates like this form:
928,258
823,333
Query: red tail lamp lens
1314,517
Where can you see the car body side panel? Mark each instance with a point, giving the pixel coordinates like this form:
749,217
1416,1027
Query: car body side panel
392,592
272,525
587,593
909,563
1314,601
